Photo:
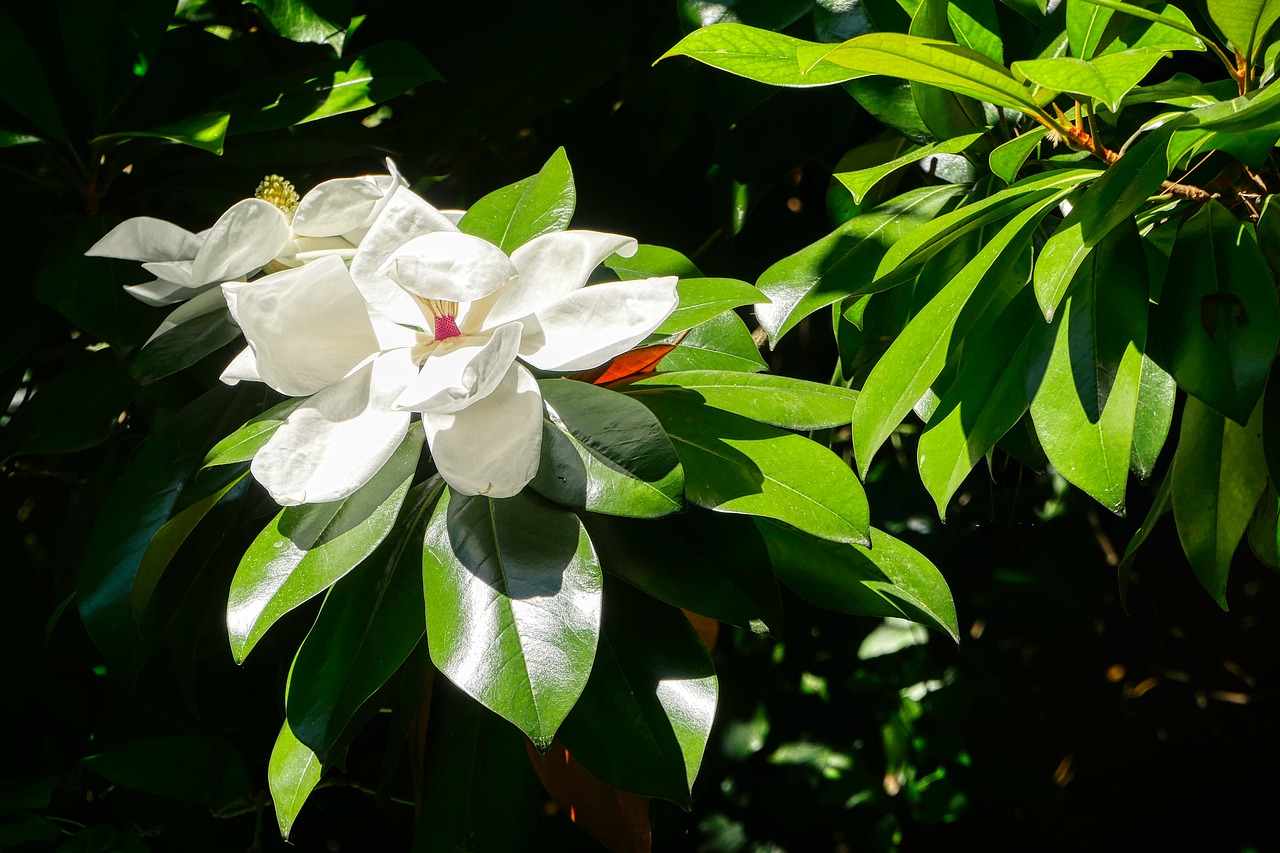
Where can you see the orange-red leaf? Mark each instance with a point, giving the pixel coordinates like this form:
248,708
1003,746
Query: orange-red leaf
617,819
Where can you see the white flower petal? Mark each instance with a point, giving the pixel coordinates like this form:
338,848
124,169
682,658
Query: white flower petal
335,442
204,303
449,265
334,207
177,273
551,266
145,239
588,327
406,216
245,238
308,326
491,447
243,368
160,292
462,370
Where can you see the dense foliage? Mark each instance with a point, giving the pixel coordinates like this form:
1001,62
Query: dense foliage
1054,241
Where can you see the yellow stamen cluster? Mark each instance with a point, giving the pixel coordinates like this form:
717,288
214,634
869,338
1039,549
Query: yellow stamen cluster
276,190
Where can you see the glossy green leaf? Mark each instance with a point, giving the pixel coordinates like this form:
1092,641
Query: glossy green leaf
1219,316
1178,22
841,264
778,400
889,101
652,262
1169,29
701,299
481,792
917,357
985,400
513,597
369,624
906,256
1219,474
1086,26
244,443
937,63
1154,416
643,721
312,21
946,113
859,183
1180,90
732,464
1006,160
306,548
1084,372
606,453
183,345
975,25
515,214
292,774
1244,22
757,54
1112,199
23,85
1106,79
204,132
722,343
724,565
890,578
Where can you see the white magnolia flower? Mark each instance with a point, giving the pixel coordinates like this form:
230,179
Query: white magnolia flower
430,320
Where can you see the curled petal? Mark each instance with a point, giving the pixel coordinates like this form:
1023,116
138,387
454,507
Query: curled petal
335,442
337,206
243,368
449,265
551,266
491,447
406,216
455,375
145,239
588,327
243,239
308,327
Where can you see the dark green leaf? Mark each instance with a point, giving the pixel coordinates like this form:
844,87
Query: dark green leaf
181,346
204,132
513,596
189,768
23,85
74,410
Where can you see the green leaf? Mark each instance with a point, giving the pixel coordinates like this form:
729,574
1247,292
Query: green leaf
1180,90
724,570
1268,228
182,345
859,183
778,400
370,622
889,578
985,400
243,444
732,464
721,343
976,26
515,214
604,452
1159,507
1178,22
841,264
653,262
292,774
945,113
1084,373
188,768
1219,474
306,548
23,85
702,299
204,132
1154,416
1219,316
513,597
168,539
758,55
1244,22
482,791
1006,160
937,63
1170,29
917,357
1086,26
906,256
1106,79
643,721
312,21
74,410
1112,199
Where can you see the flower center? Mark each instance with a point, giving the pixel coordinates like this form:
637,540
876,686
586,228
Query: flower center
446,327
445,316
274,189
